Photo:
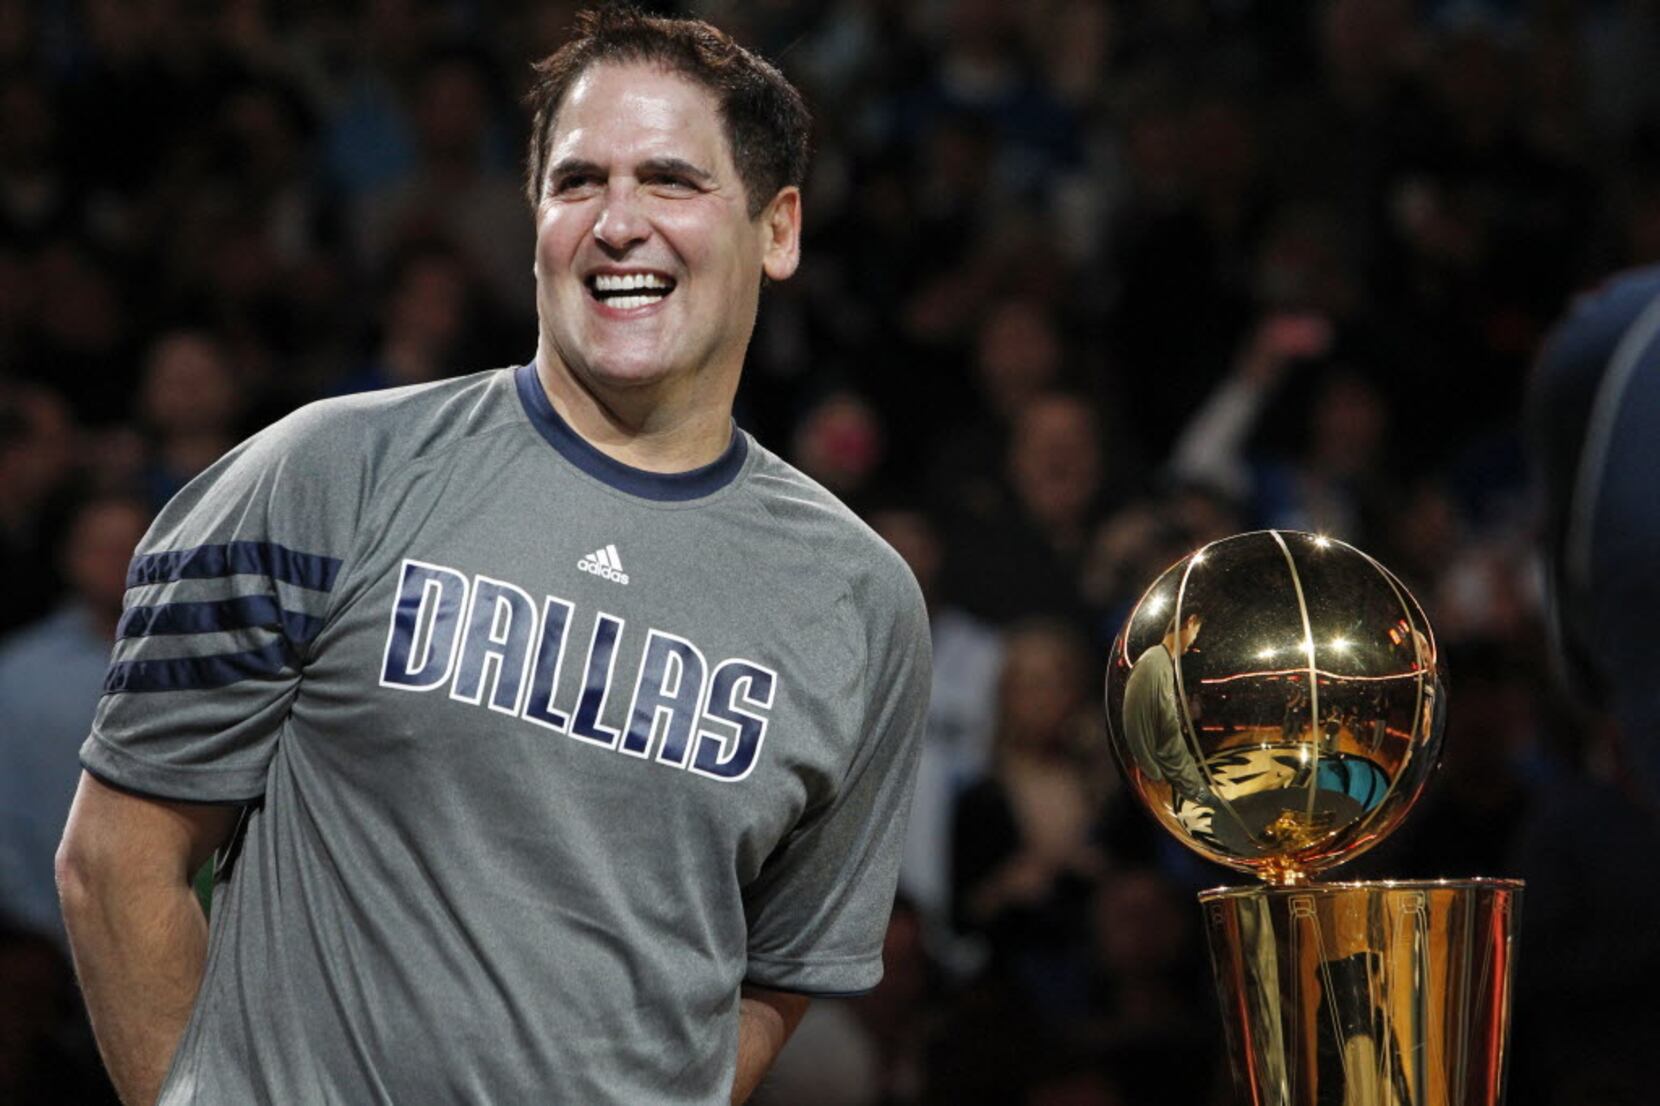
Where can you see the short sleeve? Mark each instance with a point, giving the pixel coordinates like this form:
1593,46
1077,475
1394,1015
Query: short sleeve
225,596
819,910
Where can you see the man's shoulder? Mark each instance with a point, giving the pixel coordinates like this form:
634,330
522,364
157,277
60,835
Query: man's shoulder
810,515
410,420
319,467
1152,667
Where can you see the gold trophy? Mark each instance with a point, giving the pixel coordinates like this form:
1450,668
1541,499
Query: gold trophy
1276,701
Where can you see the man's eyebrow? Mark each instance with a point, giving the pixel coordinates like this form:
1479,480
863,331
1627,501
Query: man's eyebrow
573,165
678,166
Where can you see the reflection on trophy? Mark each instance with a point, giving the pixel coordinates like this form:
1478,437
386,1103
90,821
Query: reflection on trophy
1276,701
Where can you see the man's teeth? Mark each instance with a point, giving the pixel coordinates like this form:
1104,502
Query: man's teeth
625,291
628,282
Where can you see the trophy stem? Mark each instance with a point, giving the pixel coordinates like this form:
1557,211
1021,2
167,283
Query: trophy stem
1366,994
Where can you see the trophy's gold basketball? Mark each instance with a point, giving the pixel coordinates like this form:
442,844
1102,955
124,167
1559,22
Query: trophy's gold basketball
1276,701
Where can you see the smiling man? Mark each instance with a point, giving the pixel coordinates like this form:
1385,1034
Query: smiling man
567,733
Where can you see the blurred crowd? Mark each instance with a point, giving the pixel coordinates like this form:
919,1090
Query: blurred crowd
1087,283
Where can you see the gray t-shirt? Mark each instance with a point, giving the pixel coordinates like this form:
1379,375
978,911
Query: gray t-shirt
546,754
1153,722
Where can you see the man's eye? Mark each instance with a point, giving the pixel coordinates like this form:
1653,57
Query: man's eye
671,182
575,181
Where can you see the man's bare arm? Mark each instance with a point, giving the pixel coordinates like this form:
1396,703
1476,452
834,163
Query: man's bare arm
135,927
765,1021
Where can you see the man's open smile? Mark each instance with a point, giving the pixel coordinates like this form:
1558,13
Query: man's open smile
629,291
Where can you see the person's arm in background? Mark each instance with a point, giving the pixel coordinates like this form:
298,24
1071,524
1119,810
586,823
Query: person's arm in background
765,1021
136,929
1211,448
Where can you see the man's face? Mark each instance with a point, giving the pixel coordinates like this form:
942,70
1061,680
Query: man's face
1190,632
648,265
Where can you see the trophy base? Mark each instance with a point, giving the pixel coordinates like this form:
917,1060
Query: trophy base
1366,994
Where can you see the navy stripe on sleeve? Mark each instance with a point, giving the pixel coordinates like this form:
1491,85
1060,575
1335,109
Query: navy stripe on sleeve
236,558
197,673
242,613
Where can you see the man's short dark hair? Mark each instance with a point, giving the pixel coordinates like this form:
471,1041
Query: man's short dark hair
765,118
1189,612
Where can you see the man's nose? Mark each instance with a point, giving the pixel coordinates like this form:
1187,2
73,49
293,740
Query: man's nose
621,221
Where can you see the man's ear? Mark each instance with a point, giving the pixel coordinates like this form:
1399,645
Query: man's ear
781,234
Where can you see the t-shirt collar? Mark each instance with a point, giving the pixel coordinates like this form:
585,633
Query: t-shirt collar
668,486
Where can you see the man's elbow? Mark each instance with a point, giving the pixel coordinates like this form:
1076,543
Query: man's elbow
94,854
76,872
122,848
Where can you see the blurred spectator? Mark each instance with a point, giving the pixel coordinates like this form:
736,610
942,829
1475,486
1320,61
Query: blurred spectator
192,407
952,203
263,138
430,323
1018,355
979,71
51,675
902,1013
1488,589
839,442
1212,447
956,746
1424,535
1486,230
1346,142
369,140
1305,266
122,105
1152,1014
1025,856
1335,481
1022,553
455,190
80,340
1139,541
1182,242
856,45
37,459
1075,42
37,200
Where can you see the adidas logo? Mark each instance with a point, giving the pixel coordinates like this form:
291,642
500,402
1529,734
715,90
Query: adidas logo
604,562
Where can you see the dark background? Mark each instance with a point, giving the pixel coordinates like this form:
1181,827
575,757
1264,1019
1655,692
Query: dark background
1086,283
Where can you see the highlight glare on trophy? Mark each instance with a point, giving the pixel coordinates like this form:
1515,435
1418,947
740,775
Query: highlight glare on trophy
1277,702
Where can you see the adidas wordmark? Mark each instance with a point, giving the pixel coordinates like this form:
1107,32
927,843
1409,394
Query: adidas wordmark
604,562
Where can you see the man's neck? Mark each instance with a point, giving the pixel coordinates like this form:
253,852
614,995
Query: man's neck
641,427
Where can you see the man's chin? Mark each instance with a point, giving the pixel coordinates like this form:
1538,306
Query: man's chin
631,374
